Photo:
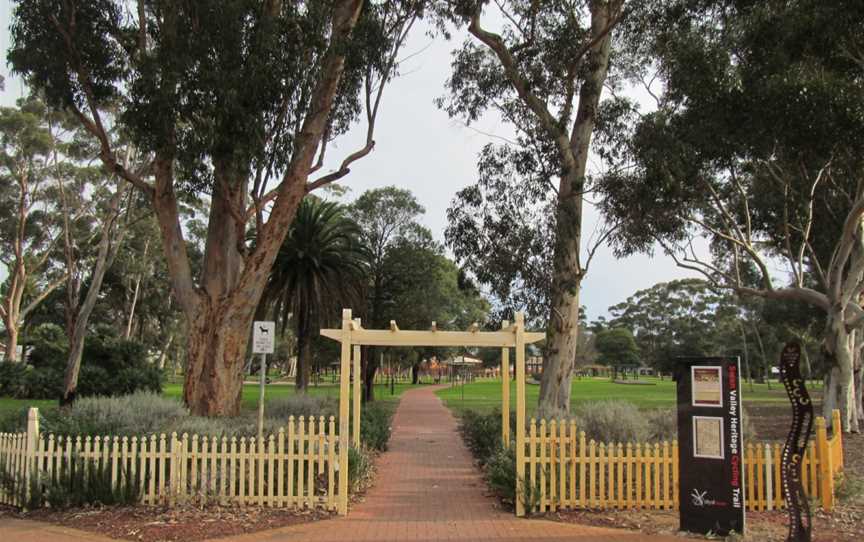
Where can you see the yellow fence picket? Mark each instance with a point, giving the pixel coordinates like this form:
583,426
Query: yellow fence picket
331,463
568,473
292,440
309,460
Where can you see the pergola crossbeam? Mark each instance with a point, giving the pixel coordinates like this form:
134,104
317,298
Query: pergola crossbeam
397,337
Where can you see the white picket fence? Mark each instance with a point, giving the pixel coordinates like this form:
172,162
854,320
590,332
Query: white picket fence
296,467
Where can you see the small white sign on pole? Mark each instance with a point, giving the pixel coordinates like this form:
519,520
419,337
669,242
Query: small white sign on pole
263,337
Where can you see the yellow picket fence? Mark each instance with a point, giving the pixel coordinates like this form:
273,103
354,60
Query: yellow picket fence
296,467
563,470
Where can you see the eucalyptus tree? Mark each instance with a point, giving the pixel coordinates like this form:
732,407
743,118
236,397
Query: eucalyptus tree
229,98
319,269
756,144
95,212
30,224
544,73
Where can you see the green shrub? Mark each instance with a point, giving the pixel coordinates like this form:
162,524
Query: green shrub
375,425
662,424
612,421
848,487
301,405
360,468
482,433
134,414
110,365
75,484
500,473
12,379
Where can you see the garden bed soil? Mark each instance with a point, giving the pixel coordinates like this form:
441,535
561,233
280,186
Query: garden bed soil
845,524
178,523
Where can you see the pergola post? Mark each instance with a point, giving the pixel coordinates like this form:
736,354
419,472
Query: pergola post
505,391
357,390
344,397
520,413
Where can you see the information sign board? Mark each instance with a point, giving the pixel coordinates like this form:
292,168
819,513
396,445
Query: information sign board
710,444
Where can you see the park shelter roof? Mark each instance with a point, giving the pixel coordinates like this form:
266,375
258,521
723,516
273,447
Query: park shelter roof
463,360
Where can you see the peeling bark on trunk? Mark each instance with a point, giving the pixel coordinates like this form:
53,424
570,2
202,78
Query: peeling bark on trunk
839,387
215,352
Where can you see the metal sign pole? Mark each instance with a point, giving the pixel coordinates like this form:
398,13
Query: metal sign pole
262,343
263,376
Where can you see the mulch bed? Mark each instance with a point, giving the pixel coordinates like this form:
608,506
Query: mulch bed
180,523
845,524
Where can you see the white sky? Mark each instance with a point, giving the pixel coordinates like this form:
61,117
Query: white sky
418,147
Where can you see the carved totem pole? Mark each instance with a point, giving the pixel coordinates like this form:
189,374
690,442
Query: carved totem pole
796,444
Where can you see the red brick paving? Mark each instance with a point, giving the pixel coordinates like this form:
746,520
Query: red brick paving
428,489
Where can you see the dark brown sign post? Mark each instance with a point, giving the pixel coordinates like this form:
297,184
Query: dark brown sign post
796,444
710,444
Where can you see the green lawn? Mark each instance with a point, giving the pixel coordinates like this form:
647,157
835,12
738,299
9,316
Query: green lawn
250,395
7,404
485,395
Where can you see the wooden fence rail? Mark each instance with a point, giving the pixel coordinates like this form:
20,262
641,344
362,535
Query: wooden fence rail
563,470
296,467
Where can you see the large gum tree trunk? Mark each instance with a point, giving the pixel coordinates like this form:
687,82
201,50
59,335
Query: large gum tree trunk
563,331
219,335
11,354
12,313
839,387
563,328
215,352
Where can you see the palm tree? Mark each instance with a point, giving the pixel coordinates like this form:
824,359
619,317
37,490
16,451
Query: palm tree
320,268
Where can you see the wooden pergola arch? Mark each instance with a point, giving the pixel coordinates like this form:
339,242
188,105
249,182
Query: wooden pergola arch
352,336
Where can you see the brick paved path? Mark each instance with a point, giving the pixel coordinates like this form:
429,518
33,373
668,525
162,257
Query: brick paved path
427,489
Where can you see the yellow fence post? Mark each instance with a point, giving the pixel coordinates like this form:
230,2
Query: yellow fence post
357,387
826,471
837,439
505,391
520,413
344,396
30,464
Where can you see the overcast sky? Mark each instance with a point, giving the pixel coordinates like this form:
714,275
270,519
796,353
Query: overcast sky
418,147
